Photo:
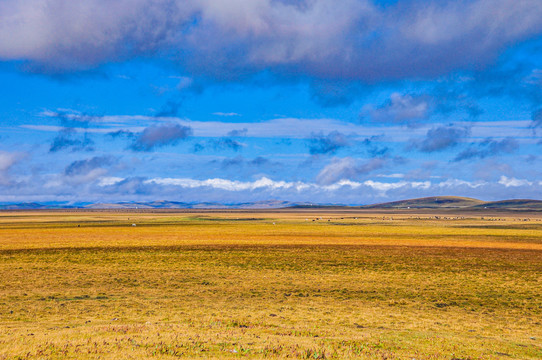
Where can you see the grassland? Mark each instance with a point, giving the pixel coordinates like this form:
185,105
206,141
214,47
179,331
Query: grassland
298,284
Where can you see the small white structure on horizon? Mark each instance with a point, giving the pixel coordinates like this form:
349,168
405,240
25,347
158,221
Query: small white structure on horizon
134,225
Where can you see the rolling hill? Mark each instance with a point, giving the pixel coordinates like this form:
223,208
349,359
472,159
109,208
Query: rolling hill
455,202
434,202
516,204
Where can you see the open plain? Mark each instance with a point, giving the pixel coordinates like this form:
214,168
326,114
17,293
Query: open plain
313,284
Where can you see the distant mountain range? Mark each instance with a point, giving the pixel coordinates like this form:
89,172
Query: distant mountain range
160,204
434,202
430,203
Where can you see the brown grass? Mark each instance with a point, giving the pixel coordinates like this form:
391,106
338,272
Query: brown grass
221,285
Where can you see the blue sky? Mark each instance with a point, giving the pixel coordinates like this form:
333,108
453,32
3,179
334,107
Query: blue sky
352,102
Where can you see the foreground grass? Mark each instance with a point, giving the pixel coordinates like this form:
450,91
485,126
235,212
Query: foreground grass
235,285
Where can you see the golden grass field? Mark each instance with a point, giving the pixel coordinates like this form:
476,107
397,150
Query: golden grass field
275,284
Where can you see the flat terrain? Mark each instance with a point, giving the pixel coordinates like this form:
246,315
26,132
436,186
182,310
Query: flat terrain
278,284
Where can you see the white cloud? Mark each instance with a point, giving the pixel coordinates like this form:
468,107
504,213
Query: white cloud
268,184
340,184
320,38
384,187
227,114
230,185
7,160
400,108
110,180
513,182
453,183
347,168
99,186
288,127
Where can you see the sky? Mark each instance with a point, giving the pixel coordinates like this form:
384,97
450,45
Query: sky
229,101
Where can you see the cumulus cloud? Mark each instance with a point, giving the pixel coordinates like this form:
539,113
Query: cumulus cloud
384,187
59,35
220,144
160,135
109,180
85,172
7,160
376,188
72,134
488,147
327,144
230,185
513,182
401,109
373,148
286,128
457,183
440,138
70,139
132,187
268,184
357,39
223,190
83,167
348,168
